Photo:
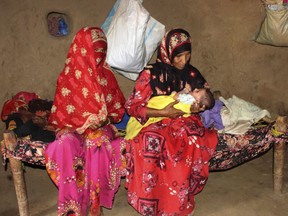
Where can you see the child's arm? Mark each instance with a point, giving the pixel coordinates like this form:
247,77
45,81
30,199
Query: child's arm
40,121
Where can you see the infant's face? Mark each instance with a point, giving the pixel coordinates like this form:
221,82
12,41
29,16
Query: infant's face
198,94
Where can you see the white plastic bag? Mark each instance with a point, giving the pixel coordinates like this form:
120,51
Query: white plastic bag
125,36
154,33
129,56
109,17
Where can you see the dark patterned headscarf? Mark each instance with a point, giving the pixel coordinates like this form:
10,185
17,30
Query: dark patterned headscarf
166,78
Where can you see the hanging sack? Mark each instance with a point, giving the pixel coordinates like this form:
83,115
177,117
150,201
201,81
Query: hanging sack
132,35
109,17
274,29
125,36
154,33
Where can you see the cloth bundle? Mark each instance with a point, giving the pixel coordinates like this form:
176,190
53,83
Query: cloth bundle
233,115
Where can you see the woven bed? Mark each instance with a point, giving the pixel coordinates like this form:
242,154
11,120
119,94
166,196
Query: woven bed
231,151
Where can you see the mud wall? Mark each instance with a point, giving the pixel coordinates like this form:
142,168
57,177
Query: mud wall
222,33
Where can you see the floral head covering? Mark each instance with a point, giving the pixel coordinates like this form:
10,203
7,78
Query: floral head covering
164,77
87,91
173,43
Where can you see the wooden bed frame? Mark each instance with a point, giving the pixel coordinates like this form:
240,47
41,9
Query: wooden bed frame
10,143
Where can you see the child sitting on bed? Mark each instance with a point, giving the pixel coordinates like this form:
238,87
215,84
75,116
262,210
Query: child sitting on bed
31,120
189,102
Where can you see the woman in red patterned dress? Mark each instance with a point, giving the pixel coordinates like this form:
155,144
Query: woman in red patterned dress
167,162
85,159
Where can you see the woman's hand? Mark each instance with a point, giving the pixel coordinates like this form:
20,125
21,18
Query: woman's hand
25,115
100,124
40,121
168,111
171,112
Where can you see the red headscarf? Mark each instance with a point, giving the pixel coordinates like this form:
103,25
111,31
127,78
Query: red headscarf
87,91
20,100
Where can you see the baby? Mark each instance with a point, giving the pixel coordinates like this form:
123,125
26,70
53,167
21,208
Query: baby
194,101
198,99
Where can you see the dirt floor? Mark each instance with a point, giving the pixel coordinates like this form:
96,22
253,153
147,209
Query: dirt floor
245,190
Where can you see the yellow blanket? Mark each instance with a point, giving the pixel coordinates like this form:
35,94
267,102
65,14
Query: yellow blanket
157,102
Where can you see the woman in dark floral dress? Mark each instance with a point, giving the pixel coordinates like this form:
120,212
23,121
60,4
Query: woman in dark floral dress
167,161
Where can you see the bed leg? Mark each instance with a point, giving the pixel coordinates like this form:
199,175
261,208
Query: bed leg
279,155
10,142
279,158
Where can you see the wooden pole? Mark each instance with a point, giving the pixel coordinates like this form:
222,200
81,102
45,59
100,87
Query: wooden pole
10,142
279,155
